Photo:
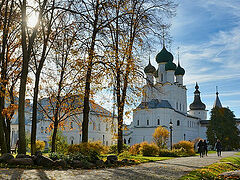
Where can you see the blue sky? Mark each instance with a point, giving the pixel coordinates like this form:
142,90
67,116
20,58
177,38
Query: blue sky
208,34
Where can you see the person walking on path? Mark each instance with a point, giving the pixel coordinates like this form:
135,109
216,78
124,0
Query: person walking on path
200,148
205,147
219,148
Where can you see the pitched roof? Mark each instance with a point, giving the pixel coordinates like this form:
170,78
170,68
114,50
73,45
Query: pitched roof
217,102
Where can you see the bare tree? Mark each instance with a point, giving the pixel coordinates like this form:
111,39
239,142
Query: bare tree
142,19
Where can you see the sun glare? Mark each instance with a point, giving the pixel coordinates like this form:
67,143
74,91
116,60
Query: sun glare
32,19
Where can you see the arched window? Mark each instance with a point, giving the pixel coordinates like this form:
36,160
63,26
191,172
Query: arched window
178,123
103,137
180,107
106,126
124,141
71,125
129,140
71,139
138,122
161,77
41,129
94,126
177,105
158,122
147,122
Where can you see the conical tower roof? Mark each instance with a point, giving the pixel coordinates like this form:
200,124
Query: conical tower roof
217,102
197,103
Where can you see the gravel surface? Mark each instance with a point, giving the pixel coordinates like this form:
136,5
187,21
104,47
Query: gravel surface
168,169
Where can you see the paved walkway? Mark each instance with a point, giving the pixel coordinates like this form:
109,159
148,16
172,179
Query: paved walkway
168,169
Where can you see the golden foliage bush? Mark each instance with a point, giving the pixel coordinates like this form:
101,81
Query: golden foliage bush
88,148
40,145
135,149
186,146
147,149
160,137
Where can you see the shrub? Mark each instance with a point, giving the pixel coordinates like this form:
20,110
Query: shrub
40,145
187,147
55,156
91,150
135,149
125,154
61,142
113,148
160,137
148,149
170,153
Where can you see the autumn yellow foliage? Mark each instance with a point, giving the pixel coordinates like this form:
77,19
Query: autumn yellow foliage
147,149
160,137
40,145
186,146
135,149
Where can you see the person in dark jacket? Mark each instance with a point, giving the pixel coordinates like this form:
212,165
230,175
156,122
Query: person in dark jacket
205,147
219,148
200,148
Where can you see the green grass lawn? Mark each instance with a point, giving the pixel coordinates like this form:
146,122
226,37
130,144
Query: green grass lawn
238,153
212,171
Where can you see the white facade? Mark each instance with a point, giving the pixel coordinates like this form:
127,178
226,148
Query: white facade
102,126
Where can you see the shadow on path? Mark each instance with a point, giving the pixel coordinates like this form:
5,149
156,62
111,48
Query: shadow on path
42,175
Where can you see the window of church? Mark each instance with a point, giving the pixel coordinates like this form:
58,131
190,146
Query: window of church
180,106
138,122
41,129
94,126
161,77
147,122
99,127
178,123
158,122
177,105
106,127
71,125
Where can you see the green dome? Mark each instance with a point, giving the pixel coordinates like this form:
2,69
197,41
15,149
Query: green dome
170,66
149,68
164,56
179,70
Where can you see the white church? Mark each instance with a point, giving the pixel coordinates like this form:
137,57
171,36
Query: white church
164,102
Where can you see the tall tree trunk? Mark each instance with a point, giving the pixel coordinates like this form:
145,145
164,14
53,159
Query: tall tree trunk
3,83
34,114
23,82
2,124
55,128
86,107
36,87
